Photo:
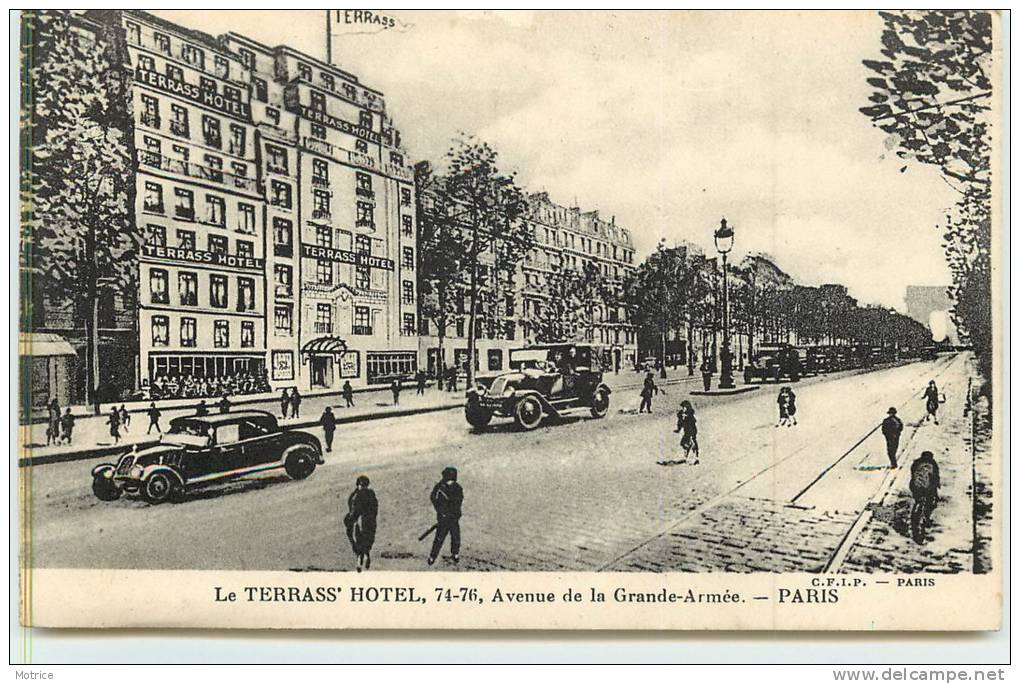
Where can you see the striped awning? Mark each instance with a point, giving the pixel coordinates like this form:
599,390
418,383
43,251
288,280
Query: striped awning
325,346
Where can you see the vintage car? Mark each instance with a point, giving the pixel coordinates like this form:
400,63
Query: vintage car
544,381
198,451
774,362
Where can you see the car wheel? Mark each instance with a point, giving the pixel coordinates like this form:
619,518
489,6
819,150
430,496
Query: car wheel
104,489
158,488
600,403
477,418
299,463
528,413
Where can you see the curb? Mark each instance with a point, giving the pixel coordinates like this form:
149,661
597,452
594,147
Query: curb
725,392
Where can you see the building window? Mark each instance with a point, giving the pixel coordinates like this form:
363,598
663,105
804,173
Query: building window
247,334
405,197
407,292
323,272
362,244
396,158
318,131
361,146
407,226
363,180
323,236
221,66
282,237
153,201
365,217
283,279
158,289
320,172
365,119
218,291
245,294
362,321
408,258
193,55
150,111
247,57
217,244
186,239
273,114
245,218
206,83
160,331
232,93
189,331
211,131
362,277
318,102
328,81
283,320
280,194
277,160
187,288
215,213
174,72
221,334
320,204
185,207
261,90
323,319
237,140
134,32
349,91
156,236
146,63
304,71
179,121
409,326
162,42
245,249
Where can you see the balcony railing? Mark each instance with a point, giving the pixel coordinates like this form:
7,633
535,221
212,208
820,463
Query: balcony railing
154,208
361,329
323,328
193,170
180,128
184,213
367,193
151,120
213,141
365,223
320,181
283,249
284,292
321,213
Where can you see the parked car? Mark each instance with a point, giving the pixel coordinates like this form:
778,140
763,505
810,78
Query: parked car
774,362
545,380
199,451
818,359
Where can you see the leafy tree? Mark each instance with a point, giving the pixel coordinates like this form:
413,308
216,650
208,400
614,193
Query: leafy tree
573,298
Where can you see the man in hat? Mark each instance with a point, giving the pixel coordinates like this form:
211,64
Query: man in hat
891,428
447,497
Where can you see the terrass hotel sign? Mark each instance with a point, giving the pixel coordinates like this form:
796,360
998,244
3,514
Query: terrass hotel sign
345,257
208,98
197,256
341,125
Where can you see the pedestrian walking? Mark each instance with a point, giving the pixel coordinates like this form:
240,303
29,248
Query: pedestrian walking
891,429
706,375
348,393
328,423
791,407
447,498
295,403
154,414
647,390
689,423
362,510
67,426
931,396
224,404
420,379
202,409
395,388
53,422
114,422
284,402
125,417
924,483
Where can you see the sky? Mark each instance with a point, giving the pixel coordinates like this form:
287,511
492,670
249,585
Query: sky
668,121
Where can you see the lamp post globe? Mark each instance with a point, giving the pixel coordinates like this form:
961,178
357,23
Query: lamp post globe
724,238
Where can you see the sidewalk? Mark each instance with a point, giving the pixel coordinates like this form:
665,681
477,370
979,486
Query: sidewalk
884,544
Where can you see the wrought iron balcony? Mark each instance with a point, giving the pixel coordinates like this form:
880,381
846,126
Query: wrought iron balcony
322,328
361,329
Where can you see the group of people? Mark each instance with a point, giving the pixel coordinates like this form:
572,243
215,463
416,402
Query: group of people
118,419
188,387
360,521
59,427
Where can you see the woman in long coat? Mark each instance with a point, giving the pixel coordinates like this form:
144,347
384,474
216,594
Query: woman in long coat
362,508
931,394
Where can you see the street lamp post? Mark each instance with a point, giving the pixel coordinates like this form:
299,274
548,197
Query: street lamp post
723,244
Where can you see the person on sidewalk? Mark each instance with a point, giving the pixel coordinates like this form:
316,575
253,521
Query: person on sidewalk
447,498
891,429
125,417
784,415
202,409
67,426
791,407
295,404
284,403
706,375
420,378
224,404
395,388
53,422
362,511
647,390
931,396
328,423
348,393
114,422
154,414
689,441
924,483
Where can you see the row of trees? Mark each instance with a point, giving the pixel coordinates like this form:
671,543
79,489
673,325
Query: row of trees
931,93
679,289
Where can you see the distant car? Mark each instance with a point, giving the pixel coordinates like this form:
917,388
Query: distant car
774,362
545,381
199,451
817,360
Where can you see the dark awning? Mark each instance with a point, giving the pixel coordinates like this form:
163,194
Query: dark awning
325,346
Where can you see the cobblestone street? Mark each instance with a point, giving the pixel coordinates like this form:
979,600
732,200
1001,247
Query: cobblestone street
582,494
